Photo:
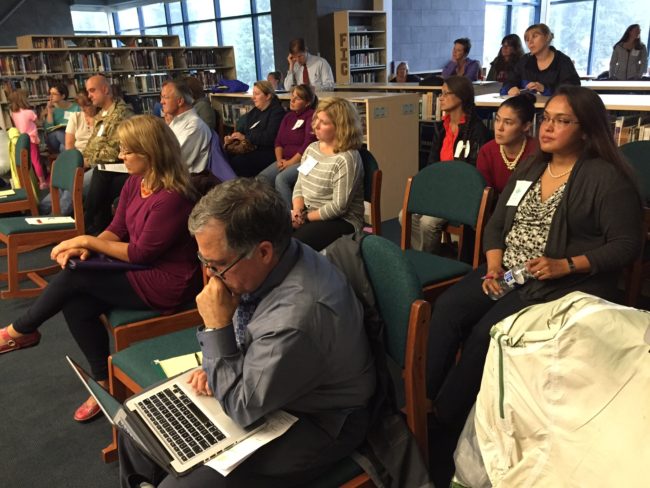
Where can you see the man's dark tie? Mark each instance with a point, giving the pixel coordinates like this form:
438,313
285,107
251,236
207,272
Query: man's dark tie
243,315
305,75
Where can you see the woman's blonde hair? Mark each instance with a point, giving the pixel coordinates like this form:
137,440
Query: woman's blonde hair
265,87
149,136
347,124
542,29
18,100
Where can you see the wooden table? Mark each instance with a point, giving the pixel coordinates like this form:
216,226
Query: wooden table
632,103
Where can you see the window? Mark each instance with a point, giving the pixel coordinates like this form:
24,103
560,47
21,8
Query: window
153,15
197,23
571,25
503,18
85,22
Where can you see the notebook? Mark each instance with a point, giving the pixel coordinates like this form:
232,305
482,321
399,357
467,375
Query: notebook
176,428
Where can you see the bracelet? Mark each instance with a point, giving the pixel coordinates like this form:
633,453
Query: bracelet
572,266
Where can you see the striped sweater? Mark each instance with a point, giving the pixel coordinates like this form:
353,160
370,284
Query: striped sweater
334,186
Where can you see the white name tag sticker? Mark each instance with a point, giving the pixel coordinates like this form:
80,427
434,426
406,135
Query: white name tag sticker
100,132
634,52
254,125
462,150
298,124
518,193
307,165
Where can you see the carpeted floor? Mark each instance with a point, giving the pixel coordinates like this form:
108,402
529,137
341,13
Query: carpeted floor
41,446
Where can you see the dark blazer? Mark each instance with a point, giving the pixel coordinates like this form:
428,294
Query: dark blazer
262,126
472,131
599,216
560,72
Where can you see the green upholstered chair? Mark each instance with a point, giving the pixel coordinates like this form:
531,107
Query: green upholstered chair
406,315
456,192
129,326
24,198
19,236
638,155
372,188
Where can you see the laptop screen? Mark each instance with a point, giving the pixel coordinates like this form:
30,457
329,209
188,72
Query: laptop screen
109,404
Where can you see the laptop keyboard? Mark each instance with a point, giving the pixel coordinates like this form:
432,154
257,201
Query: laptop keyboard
183,425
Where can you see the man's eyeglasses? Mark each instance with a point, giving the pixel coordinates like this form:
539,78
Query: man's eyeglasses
213,269
560,122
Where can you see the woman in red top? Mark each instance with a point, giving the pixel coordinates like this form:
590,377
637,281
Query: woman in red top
149,229
498,158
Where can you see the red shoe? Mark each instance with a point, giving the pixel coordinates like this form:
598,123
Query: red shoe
11,343
85,413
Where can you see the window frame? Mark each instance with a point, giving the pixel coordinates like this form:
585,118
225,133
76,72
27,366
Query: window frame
185,23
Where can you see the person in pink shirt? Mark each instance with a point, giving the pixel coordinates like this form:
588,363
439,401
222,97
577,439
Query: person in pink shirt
148,233
24,119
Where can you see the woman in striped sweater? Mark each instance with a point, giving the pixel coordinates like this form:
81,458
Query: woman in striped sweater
328,196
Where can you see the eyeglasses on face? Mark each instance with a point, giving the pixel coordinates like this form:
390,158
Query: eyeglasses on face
214,270
559,122
445,94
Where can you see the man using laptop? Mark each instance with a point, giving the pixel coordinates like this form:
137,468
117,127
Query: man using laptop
283,330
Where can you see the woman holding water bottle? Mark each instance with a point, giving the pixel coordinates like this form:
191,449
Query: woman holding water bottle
569,219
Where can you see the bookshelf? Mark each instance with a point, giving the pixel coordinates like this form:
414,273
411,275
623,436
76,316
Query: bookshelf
358,46
137,64
385,117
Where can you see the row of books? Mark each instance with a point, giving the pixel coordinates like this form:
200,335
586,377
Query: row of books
143,83
361,41
203,58
18,64
42,63
152,60
232,112
363,60
630,128
370,77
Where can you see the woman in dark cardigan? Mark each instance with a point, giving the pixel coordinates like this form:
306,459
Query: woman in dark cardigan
261,127
572,214
543,69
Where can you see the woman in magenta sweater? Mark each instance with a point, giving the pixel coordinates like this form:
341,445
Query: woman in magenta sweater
149,229
498,158
294,135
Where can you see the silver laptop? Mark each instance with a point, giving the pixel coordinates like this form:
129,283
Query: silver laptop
175,427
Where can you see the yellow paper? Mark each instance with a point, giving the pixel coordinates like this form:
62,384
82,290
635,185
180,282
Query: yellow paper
180,364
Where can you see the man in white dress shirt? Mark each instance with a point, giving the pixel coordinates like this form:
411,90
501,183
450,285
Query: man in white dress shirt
192,133
307,69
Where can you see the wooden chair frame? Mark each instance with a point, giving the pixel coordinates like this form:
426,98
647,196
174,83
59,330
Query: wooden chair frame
640,269
431,292
375,202
18,243
28,204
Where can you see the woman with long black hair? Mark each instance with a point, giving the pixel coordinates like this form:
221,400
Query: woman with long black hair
630,56
571,214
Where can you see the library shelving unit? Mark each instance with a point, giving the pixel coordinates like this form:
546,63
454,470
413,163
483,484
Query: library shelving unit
137,64
357,45
386,119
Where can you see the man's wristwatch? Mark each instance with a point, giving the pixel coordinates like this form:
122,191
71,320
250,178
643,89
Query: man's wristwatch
572,266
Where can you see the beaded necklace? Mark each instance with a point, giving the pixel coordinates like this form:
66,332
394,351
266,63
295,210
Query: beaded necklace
550,173
511,164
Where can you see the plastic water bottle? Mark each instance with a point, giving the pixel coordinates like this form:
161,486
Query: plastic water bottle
511,279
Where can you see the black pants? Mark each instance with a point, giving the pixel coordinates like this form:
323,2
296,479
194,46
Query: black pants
105,187
83,295
320,234
303,453
250,164
462,315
